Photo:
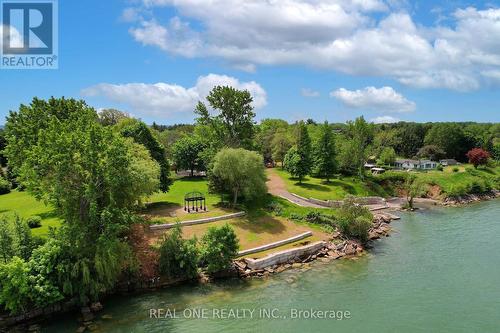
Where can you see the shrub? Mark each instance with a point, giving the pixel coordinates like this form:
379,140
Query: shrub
34,221
439,167
178,257
5,186
455,169
14,285
354,220
219,247
457,190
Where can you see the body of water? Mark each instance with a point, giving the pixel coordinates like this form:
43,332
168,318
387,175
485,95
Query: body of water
438,272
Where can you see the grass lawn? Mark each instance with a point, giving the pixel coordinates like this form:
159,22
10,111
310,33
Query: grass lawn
256,231
25,205
336,189
169,207
449,181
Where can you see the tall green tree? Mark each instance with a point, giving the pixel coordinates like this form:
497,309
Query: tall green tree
233,123
325,164
188,154
299,158
143,135
239,172
280,145
451,138
87,172
361,135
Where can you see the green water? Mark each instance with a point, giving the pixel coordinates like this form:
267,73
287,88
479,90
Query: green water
438,272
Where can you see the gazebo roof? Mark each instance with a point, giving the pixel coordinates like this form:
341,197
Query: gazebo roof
195,195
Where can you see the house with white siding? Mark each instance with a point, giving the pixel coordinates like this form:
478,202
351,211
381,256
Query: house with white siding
409,164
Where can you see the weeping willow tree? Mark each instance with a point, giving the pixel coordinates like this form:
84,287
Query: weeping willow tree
93,177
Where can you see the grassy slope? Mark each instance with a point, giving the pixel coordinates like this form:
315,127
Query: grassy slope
449,181
334,190
25,205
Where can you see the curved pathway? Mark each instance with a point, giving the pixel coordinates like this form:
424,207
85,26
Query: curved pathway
276,186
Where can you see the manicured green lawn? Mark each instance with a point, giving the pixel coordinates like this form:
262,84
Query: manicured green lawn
25,205
168,207
334,190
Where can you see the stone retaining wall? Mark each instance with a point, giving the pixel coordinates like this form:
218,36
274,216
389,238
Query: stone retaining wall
275,244
200,221
338,203
285,256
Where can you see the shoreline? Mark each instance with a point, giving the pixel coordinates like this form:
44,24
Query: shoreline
342,249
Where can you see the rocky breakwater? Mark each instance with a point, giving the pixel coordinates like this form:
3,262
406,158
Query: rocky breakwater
470,198
300,258
326,252
380,226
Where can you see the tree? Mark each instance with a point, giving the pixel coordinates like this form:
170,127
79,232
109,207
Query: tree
496,151
90,175
361,135
410,138
432,152
178,257
478,156
387,156
324,153
298,159
413,188
354,220
219,247
449,137
233,125
141,134
23,240
239,172
280,145
6,240
187,154
266,131
110,117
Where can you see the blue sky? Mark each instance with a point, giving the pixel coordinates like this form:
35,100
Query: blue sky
326,60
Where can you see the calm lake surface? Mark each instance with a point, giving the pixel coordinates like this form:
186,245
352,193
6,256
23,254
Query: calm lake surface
439,271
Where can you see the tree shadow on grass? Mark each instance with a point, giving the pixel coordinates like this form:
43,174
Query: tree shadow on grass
163,208
49,215
345,187
267,224
313,187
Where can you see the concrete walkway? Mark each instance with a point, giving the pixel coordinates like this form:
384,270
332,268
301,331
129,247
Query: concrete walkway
276,186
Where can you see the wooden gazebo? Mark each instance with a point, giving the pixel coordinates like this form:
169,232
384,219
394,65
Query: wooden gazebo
194,202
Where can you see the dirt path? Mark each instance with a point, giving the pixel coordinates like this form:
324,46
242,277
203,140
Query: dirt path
276,186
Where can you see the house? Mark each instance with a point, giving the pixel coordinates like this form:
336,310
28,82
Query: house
416,164
448,162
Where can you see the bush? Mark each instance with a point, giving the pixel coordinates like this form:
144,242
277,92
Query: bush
5,186
178,257
439,167
34,221
455,169
457,191
219,247
14,285
354,220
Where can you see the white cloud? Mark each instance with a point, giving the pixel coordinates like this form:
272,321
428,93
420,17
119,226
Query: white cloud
382,99
306,92
164,99
338,35
384,120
